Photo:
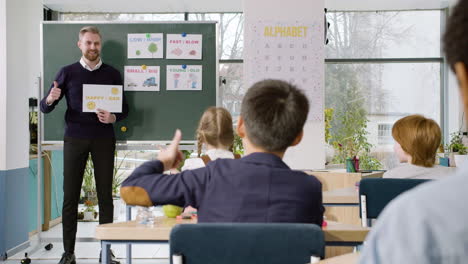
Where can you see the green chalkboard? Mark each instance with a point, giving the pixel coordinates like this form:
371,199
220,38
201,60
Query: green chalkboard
153,116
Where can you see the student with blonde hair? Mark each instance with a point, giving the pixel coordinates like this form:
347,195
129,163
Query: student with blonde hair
215,132
416,142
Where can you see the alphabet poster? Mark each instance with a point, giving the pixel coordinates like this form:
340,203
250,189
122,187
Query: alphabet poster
291,51
184,77
145,46
184,46
142,78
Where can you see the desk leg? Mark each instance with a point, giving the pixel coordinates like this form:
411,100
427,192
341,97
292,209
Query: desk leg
129,246
105,250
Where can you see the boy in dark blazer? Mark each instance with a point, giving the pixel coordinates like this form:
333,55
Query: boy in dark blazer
259,187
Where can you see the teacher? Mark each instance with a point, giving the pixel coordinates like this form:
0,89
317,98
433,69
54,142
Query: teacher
85,133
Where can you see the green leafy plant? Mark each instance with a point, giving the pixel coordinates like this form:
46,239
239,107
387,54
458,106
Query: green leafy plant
328,118
89,206
237,146
351,140
456,144
117,177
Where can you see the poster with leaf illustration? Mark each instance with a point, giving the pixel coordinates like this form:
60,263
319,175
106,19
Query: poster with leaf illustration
145,46
184,46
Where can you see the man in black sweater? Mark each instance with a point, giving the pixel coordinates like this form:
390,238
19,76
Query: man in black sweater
85,133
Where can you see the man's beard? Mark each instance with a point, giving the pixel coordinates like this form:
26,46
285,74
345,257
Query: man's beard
92,56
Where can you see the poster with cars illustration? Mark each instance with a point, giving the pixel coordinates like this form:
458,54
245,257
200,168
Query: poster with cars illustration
184,46
184,77
141,78
145,46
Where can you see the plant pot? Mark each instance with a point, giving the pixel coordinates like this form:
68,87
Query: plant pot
88,216
460,160
117,207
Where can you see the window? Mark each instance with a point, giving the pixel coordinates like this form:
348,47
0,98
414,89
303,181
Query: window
385,134
382,66
120,17
231,33
384,34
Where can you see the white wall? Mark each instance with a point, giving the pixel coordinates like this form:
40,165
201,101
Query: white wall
21,21
3,83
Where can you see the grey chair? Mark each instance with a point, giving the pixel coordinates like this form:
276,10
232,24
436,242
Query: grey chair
246,243
376,193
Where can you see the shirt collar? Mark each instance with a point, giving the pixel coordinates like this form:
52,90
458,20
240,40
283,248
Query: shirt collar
265,158
83,63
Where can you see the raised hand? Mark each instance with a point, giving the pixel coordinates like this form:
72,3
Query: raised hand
105,116
54,94
171,156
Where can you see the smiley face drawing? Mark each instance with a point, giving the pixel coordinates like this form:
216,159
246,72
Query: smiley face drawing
115,90
91,105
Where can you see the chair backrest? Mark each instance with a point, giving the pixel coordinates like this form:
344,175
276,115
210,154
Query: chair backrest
246,243
376,193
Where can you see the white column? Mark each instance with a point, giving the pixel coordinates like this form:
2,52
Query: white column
263,14
3,84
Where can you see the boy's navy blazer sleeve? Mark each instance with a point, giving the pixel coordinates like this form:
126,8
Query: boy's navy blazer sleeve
179,189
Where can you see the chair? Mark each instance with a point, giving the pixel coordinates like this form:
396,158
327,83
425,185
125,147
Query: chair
376,193
246,243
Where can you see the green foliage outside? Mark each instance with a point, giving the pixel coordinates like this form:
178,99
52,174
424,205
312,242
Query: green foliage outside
328,119
347,128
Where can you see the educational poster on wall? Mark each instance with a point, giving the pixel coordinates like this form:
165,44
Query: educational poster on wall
145,46
291,51
184,46
142,78
184,77
106,97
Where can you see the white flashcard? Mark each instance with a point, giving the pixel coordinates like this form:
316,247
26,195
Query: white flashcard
145,46
142,78
184,77
106,97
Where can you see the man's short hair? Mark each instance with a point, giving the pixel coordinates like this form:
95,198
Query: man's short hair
274,114
456,35
418,136
90,29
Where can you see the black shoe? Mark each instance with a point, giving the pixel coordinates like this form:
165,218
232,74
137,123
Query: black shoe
113,258
67,258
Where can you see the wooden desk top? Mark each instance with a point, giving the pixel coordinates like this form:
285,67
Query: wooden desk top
341,196
338,232
334,232
350,258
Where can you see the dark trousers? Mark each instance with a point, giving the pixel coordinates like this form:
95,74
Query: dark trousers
75,155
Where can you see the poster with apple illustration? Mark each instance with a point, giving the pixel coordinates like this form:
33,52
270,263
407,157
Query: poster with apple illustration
145,46
184,46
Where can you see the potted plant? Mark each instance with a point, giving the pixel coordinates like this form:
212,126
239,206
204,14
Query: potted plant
351,143
90,212
458,149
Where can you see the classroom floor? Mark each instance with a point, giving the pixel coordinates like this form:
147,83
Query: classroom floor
88,252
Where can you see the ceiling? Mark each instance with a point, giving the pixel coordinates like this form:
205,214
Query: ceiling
172,6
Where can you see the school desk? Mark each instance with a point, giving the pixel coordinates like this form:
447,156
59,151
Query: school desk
338,179
336,234
350,258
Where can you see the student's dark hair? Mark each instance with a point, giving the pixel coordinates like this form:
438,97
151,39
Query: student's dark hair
274,114
456,35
